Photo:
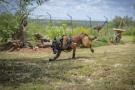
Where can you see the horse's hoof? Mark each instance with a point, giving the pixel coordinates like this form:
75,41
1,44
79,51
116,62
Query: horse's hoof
73,58
51,59
92,50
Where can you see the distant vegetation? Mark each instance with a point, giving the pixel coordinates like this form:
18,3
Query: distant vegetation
9,24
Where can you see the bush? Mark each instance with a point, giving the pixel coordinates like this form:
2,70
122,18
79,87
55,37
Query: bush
130,31
79,30
8,25
134,38
54,31
104,39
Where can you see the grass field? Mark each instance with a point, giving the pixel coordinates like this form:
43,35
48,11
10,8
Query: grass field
109,68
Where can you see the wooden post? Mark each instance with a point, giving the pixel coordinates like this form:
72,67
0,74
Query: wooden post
71,21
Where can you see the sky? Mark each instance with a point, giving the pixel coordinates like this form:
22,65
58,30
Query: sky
81,9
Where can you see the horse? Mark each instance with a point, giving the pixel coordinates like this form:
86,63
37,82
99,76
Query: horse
68,44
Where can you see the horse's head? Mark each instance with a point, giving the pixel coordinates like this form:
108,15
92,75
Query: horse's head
56,46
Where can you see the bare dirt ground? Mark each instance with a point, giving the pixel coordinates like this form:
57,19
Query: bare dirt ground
29,50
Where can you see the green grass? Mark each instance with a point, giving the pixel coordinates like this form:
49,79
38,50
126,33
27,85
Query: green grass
109,68
127,38
99,43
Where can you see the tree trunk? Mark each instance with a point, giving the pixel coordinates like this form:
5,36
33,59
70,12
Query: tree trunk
20,34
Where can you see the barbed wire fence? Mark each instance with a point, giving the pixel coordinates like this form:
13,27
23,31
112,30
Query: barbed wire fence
49,19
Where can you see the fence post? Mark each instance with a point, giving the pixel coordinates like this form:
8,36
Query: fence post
50,18
107,25
71,21
90,24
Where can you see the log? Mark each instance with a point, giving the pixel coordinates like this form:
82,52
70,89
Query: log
45,45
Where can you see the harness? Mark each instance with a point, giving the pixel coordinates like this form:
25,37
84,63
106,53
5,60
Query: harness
68,43
57,44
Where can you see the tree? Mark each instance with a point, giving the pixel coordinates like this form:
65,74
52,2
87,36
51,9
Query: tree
21,10
121,22
25,7
7,26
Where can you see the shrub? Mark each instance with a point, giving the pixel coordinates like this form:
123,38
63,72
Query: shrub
130,31
134,38
8,25
79,30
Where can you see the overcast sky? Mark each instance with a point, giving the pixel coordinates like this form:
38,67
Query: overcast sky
79,9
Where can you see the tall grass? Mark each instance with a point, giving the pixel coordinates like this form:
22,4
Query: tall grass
130,31
134,38
55,31
52,31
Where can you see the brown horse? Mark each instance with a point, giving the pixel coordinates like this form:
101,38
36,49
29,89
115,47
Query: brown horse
67,43
84,40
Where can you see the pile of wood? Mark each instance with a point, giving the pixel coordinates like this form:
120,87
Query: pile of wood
41,41
12,45
15,45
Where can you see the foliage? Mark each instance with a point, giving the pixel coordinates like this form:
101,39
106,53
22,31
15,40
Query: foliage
55,31
134,38
8,26
51,31
130,31
122,22
12,21
104,39
79,30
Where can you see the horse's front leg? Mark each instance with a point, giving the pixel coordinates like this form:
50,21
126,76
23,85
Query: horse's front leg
74,50
55,57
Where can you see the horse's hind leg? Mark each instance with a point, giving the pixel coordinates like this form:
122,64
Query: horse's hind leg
92,50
